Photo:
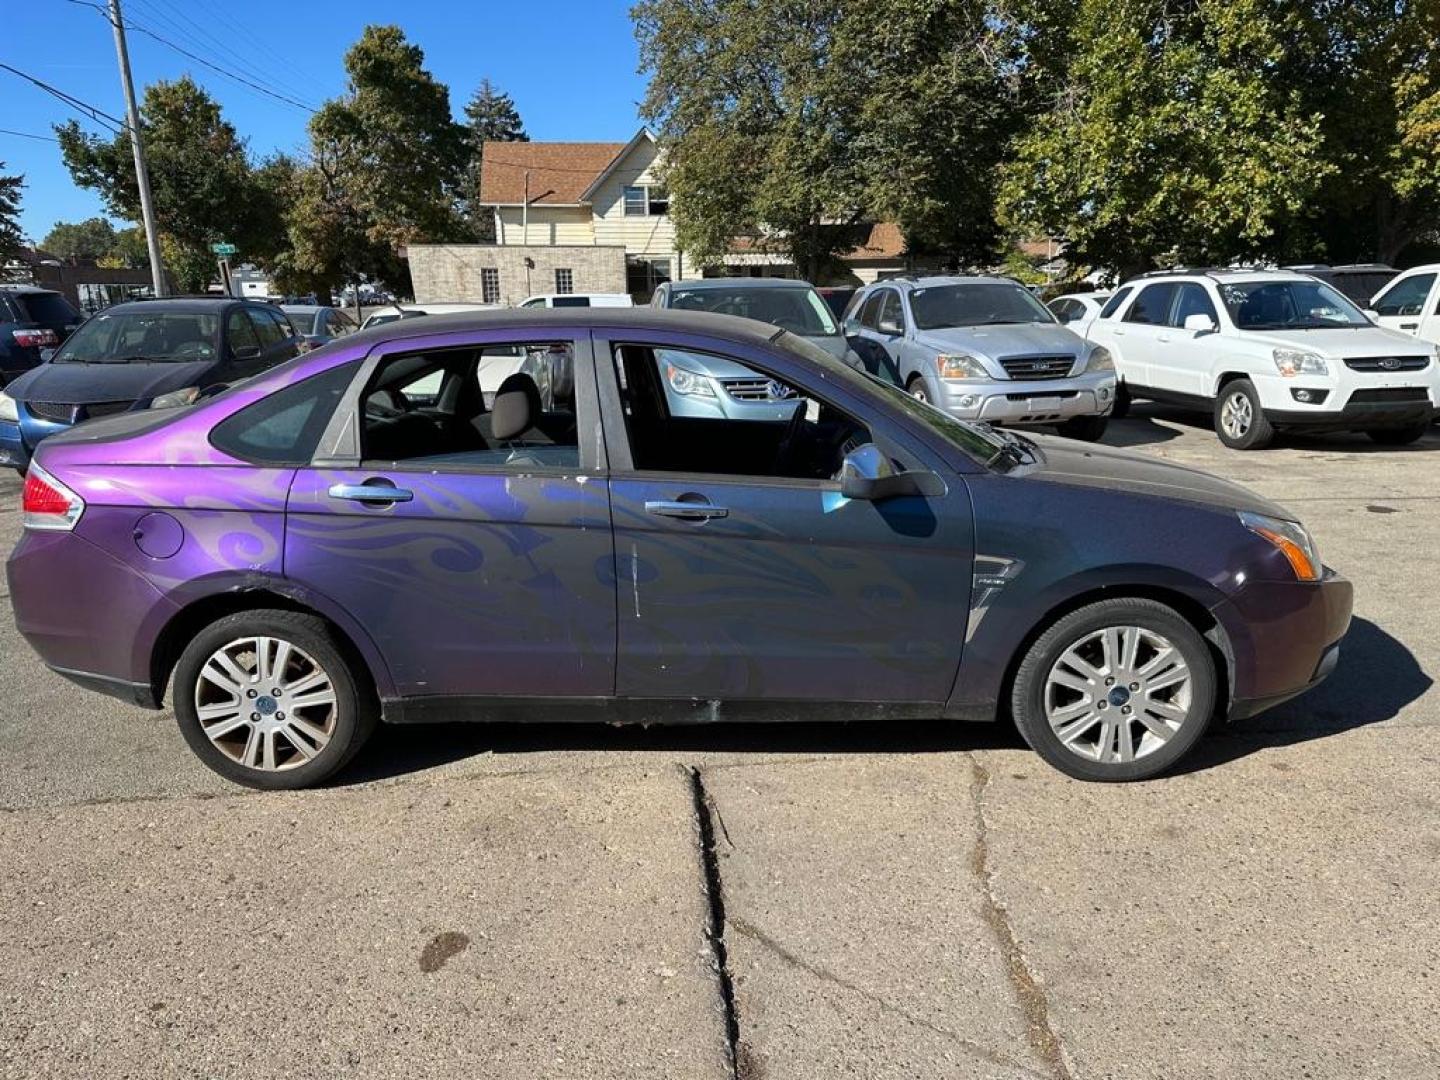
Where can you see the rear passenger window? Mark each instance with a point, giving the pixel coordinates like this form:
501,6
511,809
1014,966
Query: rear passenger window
285,428
1113,304
1152,306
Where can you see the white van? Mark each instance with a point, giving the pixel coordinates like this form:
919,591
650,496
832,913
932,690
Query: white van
558,300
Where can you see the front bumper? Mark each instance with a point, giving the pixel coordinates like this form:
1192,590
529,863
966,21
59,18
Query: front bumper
13,451
1283,638
1043,401
1357,416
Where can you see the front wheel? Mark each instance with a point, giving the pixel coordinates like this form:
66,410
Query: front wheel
1118,690
1084,428
269,699
918,390
1400,436
1239,420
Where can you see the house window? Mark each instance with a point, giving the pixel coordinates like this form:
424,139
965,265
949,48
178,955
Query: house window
635,202
659,201
646,201
489,285
644,276
564,281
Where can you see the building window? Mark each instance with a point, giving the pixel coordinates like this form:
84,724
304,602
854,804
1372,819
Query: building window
635,202
642,201
489,285
659,201
564,281
644,276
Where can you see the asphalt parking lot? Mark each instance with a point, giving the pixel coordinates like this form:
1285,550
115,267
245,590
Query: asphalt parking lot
900,901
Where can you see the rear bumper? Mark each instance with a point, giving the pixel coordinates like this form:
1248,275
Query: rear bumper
1284,638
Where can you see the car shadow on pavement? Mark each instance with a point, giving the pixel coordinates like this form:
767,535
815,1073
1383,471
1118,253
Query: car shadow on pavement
1376,678
1142,427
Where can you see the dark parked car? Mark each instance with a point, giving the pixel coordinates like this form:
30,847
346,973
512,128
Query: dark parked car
148,354
1359,281
33,323
320,548
317,324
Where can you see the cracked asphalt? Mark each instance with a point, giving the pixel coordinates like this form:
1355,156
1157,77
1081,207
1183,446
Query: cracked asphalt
889,900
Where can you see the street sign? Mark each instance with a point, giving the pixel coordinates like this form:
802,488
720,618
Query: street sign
224,249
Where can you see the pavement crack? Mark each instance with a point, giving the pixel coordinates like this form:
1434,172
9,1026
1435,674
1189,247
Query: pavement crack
760,937
1027,987
706,814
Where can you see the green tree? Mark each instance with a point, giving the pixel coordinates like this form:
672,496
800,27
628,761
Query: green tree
388,167
128,251
80,240
1170,134
201,179
12,238
490,116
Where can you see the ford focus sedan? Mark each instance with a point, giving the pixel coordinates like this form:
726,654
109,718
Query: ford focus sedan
364,534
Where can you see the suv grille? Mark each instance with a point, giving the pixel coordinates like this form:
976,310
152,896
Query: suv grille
1388,363
756,390
1399,393
1038,367
51,410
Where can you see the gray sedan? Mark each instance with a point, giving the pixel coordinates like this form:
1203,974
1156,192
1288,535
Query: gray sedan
318,325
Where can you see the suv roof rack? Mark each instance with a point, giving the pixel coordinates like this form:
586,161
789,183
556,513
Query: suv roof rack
1205,271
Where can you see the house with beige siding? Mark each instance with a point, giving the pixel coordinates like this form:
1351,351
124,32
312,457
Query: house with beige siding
592,217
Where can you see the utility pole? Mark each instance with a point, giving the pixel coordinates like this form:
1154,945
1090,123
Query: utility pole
142,177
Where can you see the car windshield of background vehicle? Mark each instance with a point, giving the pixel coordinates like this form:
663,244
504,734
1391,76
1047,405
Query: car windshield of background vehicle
978,443
940,307
142,337
801,311
1289,305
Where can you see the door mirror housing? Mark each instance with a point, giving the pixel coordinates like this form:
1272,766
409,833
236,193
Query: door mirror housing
890,327
245,352
1200,323
1371,314
867,474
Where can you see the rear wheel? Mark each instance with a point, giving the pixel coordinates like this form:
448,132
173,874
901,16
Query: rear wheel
1118,690
1239,420
269,699
1084,428
1401,436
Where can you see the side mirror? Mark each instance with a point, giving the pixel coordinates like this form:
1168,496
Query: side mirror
245,352
890,327
1371,314
1200,323
867,474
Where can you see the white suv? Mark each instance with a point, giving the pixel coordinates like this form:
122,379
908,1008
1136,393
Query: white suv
1266,350
1410,303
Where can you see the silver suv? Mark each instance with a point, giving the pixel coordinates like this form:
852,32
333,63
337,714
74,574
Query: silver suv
982,348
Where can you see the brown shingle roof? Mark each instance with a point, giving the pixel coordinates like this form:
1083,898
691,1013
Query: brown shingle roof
559,171
885,241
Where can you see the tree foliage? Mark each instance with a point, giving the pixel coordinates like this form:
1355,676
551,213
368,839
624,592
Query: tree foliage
490,116
12,238
86,240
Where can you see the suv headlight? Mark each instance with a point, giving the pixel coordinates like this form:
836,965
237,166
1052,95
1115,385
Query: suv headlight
1100,360
689,383
8,411
1292,362
961,368
1293,541
176,398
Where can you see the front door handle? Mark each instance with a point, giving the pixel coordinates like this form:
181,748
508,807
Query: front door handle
1162,337
1409,325
380,492
689,511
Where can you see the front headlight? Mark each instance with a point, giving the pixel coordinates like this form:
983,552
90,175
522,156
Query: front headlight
176,398
1100,360
961,368
689,383
7,408
1293,541
1292,362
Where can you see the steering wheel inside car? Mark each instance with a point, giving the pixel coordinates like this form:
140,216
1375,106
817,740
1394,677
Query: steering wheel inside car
785,454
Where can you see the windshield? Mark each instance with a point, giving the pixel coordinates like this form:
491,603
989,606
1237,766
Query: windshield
141,337
979,443
1289,305
982,304
799,310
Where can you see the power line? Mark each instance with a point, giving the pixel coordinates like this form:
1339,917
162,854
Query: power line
27,135
99,116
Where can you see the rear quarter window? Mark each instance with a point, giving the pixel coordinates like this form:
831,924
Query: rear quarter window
285,428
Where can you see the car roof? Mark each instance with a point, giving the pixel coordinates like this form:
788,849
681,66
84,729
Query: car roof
187,304
1097,295
694,284
927,281
1235,274
732,327
304,309
28,289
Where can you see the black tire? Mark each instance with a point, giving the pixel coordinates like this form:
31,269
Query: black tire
355,712
917,389
1122,403
1084,428
1400,436
1028,695
1258,433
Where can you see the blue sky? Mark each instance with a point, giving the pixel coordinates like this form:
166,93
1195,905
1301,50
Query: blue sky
570,65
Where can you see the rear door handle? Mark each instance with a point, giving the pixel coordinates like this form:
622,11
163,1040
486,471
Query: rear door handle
691,511
371,493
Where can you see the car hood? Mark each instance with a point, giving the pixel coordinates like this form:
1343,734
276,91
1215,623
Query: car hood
1065,461
997,342
1364,341
82,384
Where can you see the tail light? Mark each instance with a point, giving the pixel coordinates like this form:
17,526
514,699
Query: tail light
47,503
35,339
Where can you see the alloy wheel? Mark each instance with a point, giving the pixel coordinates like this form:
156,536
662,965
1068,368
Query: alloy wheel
1236,415
266,703
1118,694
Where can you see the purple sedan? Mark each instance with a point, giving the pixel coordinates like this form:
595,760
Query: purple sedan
500,516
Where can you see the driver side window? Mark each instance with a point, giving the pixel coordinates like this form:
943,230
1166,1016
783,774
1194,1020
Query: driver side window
694,412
